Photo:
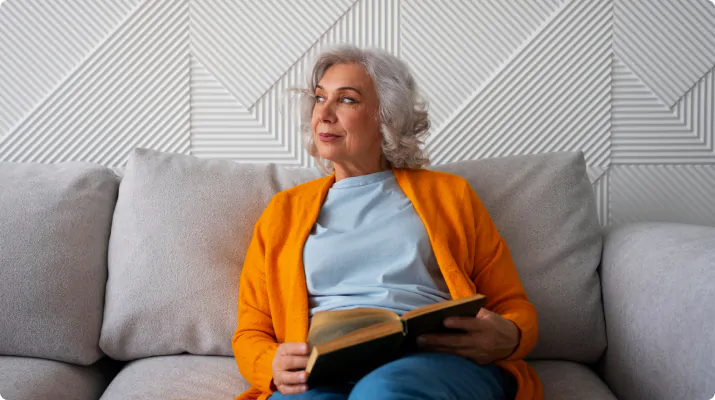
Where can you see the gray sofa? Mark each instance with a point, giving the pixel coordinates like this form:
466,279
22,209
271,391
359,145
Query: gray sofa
123,284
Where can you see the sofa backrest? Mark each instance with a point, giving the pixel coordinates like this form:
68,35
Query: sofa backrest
545,208
54,229
182,226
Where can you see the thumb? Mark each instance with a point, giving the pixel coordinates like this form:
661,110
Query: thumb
485,314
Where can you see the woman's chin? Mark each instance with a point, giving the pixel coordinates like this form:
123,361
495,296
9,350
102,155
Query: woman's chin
333,156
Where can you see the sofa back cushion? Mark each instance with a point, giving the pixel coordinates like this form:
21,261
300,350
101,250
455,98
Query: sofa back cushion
181,228
54,228
544,207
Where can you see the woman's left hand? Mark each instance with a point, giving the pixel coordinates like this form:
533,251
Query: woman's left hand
488,337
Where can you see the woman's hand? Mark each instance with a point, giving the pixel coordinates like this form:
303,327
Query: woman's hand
289,364
488,337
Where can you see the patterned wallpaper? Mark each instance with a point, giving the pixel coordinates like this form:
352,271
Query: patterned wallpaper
629,82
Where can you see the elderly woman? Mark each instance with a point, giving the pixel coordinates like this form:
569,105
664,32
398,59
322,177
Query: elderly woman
380,231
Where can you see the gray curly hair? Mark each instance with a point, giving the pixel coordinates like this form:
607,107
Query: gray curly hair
404,122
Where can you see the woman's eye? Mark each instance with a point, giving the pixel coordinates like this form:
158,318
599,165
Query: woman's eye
348,100
318,99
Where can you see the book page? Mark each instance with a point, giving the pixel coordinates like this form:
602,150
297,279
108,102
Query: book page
329,325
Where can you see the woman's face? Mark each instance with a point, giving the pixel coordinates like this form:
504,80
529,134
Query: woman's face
345,124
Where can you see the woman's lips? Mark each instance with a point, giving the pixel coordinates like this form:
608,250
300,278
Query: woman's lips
328,137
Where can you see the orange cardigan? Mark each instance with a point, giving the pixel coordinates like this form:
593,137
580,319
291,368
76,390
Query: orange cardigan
472,255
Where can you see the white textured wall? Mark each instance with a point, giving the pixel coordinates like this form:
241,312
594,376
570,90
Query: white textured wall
629,82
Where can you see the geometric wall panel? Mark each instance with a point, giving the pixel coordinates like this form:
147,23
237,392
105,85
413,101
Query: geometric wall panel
248,45
600,190
367,23
594,173
629,83
646,131
669,45
41,42
131,91
447,61
554,94
223,128
669,193
267,131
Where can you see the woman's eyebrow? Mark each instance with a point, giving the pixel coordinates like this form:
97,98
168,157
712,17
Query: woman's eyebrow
342,88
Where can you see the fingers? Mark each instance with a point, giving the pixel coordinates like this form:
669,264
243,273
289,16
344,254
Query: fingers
448,341
484,313
292,363
295,348
292,389
291,356
291,378
289,366
291,382
469,324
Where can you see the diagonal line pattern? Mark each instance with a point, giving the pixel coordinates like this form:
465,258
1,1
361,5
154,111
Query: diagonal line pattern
274,136
466,43
131,92
600,189
248,45
41,42
668,193
553,95
222,128
595,173
668,45
646,131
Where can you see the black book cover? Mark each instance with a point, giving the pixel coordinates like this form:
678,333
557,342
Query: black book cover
352,362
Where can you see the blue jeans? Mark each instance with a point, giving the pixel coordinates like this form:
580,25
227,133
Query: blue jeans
427,376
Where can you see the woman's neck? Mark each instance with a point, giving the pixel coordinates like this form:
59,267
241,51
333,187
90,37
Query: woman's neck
344,170
342,173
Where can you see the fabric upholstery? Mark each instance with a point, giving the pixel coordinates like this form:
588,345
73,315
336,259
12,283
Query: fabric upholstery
181,229
542,204
54,228
658,291
177,377
25,378
565,380
544,207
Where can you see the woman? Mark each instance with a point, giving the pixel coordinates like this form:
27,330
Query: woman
380,231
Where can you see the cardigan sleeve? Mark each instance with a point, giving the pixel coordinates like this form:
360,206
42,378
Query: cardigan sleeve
494,275
254,342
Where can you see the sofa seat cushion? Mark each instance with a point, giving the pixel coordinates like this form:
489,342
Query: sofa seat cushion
36,378
565,380
55,221
180,376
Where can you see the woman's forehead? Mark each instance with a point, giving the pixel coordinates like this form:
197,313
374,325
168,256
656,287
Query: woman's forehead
345,75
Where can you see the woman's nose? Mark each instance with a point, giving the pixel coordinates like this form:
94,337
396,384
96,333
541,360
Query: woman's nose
326,113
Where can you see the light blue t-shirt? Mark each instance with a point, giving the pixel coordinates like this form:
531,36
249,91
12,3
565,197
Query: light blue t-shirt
369,248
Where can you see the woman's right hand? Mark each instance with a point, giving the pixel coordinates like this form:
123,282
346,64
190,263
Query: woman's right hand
289,364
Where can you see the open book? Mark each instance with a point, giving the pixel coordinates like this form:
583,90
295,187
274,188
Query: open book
347,344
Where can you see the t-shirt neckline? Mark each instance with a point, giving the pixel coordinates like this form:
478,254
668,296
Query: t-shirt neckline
363,180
